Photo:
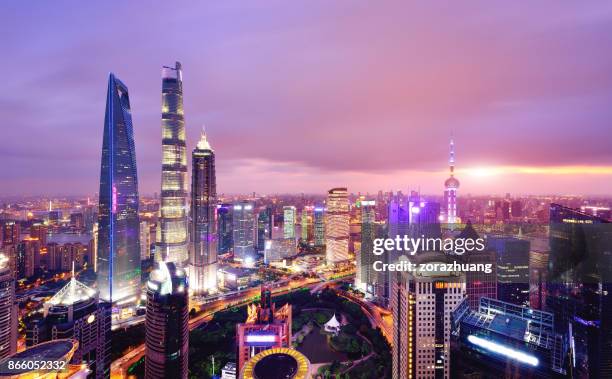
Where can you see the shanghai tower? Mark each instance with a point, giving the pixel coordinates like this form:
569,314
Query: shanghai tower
171,241
118,258
203,257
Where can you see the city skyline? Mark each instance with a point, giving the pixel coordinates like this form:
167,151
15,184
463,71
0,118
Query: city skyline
518,111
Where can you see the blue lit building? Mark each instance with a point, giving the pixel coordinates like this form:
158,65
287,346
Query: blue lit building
244,227
224,228
118,260
500,339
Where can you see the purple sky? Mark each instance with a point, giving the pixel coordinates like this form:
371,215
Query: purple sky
305,96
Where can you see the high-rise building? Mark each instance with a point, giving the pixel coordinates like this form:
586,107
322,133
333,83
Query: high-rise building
77,220
478,284
75,312
8,309
289,216
27,255
224,228
319,226
407,216
337,226
39,231
265,224
365,276
171,241
578,287
167,323
450,189
12,233
203,257
421,306
538,266
307,226
145,240
512,268
500,340
265,328
243,227
118,250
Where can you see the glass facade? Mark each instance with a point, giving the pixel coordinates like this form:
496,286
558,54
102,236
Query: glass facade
118,261
204,239
172,237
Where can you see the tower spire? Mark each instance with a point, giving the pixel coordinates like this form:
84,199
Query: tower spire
451,159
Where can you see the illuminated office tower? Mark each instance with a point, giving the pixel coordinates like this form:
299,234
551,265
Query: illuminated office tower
167,323
203,256
289,216
118,222
265,328
578,287
450,189
307,224
145,240
503,340
337,226
243,222
171,242
8,309
265,224
319,226
365,276
421,306
224,228
75,312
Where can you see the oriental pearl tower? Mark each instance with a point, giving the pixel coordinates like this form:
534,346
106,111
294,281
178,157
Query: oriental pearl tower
450,188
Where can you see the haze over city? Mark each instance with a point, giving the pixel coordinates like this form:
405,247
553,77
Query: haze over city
303,97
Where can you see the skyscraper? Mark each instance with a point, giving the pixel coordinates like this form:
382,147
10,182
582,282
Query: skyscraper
450,189
167,323
145,240
74,312
203,257
289,216
337,226
307,225
319,226
512,255
171,241
578,287
224,227
265,223
421,305
118,222
8,309
365,276
243,221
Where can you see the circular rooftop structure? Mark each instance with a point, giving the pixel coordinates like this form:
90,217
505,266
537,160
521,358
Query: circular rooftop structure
58,350
277,363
